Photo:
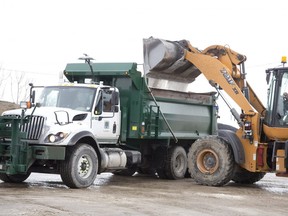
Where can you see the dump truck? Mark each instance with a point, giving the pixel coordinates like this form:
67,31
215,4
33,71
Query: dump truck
104,118
260,142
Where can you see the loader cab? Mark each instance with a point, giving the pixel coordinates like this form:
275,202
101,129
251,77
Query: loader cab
277,101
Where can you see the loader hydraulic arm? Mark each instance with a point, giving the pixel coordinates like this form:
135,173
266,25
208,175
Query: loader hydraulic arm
214,64
232,60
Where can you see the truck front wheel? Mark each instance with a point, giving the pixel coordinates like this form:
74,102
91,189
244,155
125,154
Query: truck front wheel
210,161
79,170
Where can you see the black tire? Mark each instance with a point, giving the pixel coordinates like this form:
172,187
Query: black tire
243,176
161,173
146,171
176,164
160,157
210,161
126,172
17,178
80,168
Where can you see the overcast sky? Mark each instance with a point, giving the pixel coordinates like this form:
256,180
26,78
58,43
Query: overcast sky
42,36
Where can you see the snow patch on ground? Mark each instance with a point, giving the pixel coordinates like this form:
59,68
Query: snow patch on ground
221,196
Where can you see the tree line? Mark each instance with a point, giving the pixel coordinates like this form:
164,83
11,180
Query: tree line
14,85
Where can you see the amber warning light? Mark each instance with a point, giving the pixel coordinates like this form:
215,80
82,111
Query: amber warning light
284,60
25,104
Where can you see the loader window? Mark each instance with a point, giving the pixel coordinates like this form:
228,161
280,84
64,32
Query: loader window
283,100
269,118
277,107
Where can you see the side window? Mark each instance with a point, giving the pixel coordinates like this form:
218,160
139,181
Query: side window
107,100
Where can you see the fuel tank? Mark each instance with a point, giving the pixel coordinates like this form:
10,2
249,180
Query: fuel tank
165,59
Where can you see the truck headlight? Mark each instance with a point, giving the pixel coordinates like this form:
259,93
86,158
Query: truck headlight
52,138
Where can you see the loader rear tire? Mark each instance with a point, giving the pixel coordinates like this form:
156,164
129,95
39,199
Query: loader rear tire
17,178
210,161
80,168
243,176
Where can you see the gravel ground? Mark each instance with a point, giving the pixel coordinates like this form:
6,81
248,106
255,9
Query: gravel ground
44,194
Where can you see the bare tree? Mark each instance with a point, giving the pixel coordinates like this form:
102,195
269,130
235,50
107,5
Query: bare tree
4,77
19,86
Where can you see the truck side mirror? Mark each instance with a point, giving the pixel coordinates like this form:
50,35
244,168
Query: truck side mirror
32,93
32,99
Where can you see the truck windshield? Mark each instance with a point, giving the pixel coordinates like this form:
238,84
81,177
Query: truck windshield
77,98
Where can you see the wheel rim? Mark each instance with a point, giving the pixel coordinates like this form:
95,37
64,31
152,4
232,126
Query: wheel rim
179,163
85,166
207,161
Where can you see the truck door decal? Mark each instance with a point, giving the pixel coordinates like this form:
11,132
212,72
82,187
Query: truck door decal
106,125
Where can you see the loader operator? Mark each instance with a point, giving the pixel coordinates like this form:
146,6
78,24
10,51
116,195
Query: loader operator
285,103
285,108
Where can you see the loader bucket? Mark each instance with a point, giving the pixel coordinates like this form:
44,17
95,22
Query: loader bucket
165,59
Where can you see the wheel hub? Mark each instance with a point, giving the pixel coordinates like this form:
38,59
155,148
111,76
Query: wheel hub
179,163
207,161
84,166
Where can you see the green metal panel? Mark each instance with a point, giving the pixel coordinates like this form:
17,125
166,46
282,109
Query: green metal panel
15,154
188,121
106,72
49,152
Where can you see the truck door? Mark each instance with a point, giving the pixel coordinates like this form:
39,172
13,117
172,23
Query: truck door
106,116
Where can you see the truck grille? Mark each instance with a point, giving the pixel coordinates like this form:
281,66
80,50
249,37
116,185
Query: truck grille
34,127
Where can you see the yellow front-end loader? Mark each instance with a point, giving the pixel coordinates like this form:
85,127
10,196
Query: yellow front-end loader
260,143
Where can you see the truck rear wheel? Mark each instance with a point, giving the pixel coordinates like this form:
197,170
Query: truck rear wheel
210,161
17,178
175,164
80,168
243,176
